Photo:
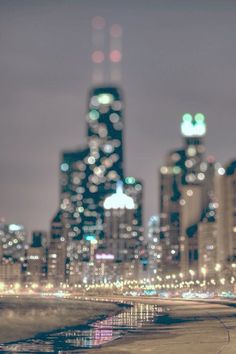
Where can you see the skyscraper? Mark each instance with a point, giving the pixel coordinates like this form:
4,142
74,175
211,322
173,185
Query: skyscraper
207,240
154,246
57,251
89,175
36,258
183,196
121,244
227,219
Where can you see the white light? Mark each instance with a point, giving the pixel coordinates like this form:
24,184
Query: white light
189,163
119,200
201,176
104,98
189,192
221,171
196,127
105,256
203,166
33,257
191,151
91,160
164,170
14,227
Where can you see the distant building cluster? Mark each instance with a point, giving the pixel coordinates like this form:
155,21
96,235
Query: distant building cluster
97,234
20,262
197,207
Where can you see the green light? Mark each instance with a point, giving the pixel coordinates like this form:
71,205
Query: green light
199,118
130,180
187,117
176,170
64,167
93,114
90,237
105,98
193,127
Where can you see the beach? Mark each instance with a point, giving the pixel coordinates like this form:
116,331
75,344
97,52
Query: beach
24,317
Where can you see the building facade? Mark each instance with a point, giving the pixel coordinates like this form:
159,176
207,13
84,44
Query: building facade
186,182
36,259
88,176
227,222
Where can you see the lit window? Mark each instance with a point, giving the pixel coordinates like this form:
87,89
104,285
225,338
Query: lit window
64,167
91,160
93,114
189,192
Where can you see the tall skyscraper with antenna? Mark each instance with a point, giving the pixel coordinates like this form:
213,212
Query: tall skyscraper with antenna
89,175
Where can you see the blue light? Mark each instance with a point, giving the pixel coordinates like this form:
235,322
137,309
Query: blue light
90,237
64,167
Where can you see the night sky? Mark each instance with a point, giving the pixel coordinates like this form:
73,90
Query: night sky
178,56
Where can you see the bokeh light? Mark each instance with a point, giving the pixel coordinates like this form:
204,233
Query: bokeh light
115,56
98,56
116,31
98,22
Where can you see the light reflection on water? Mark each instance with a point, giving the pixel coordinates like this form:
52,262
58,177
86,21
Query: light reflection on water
85,337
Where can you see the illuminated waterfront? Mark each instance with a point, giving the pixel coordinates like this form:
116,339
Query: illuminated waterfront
87,336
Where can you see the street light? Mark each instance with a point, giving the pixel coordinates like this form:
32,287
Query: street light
192,273
204,272
218,267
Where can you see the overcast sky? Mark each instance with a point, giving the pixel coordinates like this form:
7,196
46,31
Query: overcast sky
178,56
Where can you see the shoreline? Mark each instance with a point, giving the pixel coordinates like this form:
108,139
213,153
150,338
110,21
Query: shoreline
186,327
28,317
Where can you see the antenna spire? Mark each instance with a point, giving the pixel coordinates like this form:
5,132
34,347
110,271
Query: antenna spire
98,56
115,54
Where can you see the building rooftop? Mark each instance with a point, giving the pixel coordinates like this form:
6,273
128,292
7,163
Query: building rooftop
119,200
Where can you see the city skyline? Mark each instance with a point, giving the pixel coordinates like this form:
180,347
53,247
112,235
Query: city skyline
118,176
47,113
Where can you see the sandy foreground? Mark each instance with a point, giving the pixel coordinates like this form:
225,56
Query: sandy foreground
25,317
186,328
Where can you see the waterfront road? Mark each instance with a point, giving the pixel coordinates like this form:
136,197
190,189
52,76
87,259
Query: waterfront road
186,327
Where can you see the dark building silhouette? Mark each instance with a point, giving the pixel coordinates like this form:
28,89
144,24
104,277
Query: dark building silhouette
90,174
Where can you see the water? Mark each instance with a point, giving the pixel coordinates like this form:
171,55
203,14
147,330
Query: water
77,339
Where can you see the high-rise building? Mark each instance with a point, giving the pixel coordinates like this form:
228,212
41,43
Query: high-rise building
57,252
154,247
184,194
121,241
227,217
89,175
39,238
134,189
171,179
36,259
207,241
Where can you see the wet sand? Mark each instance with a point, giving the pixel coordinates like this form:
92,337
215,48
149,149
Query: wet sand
24,317
186,328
